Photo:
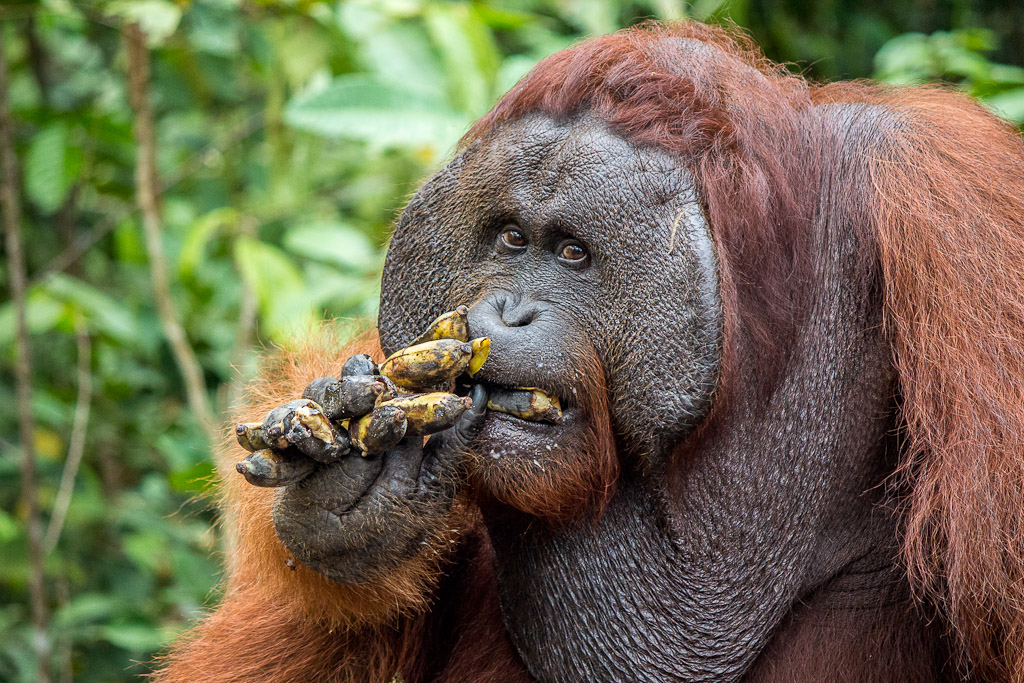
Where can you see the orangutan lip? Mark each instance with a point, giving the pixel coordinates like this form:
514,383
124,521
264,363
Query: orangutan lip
535,426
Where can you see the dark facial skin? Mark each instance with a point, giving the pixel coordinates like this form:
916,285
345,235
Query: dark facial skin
577,253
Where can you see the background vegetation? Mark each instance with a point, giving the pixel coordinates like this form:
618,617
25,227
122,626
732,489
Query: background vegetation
287,136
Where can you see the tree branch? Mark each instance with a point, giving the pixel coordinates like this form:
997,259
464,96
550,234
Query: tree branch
147,196
11,199
76,249
76,445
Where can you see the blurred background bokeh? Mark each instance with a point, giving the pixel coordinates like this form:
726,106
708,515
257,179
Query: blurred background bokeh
287,136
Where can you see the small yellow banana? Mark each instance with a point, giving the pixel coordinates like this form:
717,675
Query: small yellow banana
528,403
250,436
429,413
481,349
378,430
450,325
427,364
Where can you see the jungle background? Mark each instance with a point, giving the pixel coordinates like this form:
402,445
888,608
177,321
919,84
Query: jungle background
186,183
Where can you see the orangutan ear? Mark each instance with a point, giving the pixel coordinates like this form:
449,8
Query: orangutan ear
941,184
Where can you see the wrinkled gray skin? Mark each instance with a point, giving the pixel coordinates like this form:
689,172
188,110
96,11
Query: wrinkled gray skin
693,570
644,302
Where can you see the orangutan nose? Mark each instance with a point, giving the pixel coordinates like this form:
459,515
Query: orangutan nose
506,319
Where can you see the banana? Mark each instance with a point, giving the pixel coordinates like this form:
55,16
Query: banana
302,423
390,390
450,325
379,430
350,396
427,364
359,364
481,349
272,468
429,413
528,403
250,437
277,422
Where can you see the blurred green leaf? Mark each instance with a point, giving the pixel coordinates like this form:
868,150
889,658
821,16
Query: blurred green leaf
333,243
199,477
401,53
102,313
135,637
128,243
84,609
905,59
278,285
42,313
952,56
51,168
199,234
9,528
1008,104
340,292
157,18
470,56
372,110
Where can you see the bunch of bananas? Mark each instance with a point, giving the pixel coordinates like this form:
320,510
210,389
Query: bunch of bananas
370,408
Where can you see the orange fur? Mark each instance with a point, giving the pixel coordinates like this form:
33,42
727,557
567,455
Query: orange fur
272,599
948,207
248,640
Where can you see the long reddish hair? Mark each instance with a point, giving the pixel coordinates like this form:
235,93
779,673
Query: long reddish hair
944,213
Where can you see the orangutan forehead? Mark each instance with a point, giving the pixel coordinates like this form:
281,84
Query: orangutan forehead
544,158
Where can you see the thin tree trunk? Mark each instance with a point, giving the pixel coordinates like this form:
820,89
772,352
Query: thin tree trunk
147,197
76,444
10,196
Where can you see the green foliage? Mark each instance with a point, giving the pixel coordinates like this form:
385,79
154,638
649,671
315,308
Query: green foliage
378,112
956,57
290,134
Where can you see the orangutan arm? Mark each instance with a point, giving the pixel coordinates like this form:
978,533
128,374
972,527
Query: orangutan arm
283,621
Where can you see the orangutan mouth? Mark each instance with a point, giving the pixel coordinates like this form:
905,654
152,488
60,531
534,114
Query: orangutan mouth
526,403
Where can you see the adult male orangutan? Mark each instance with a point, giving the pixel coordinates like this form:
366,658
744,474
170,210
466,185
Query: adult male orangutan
786,325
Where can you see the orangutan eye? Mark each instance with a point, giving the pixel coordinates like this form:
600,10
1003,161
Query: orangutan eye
572,254
512,239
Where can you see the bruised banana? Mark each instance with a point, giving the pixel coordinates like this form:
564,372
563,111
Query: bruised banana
429,413
527,403
302,423
359,364
350,396
450,325
433,362
273,468
250,436
379,430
